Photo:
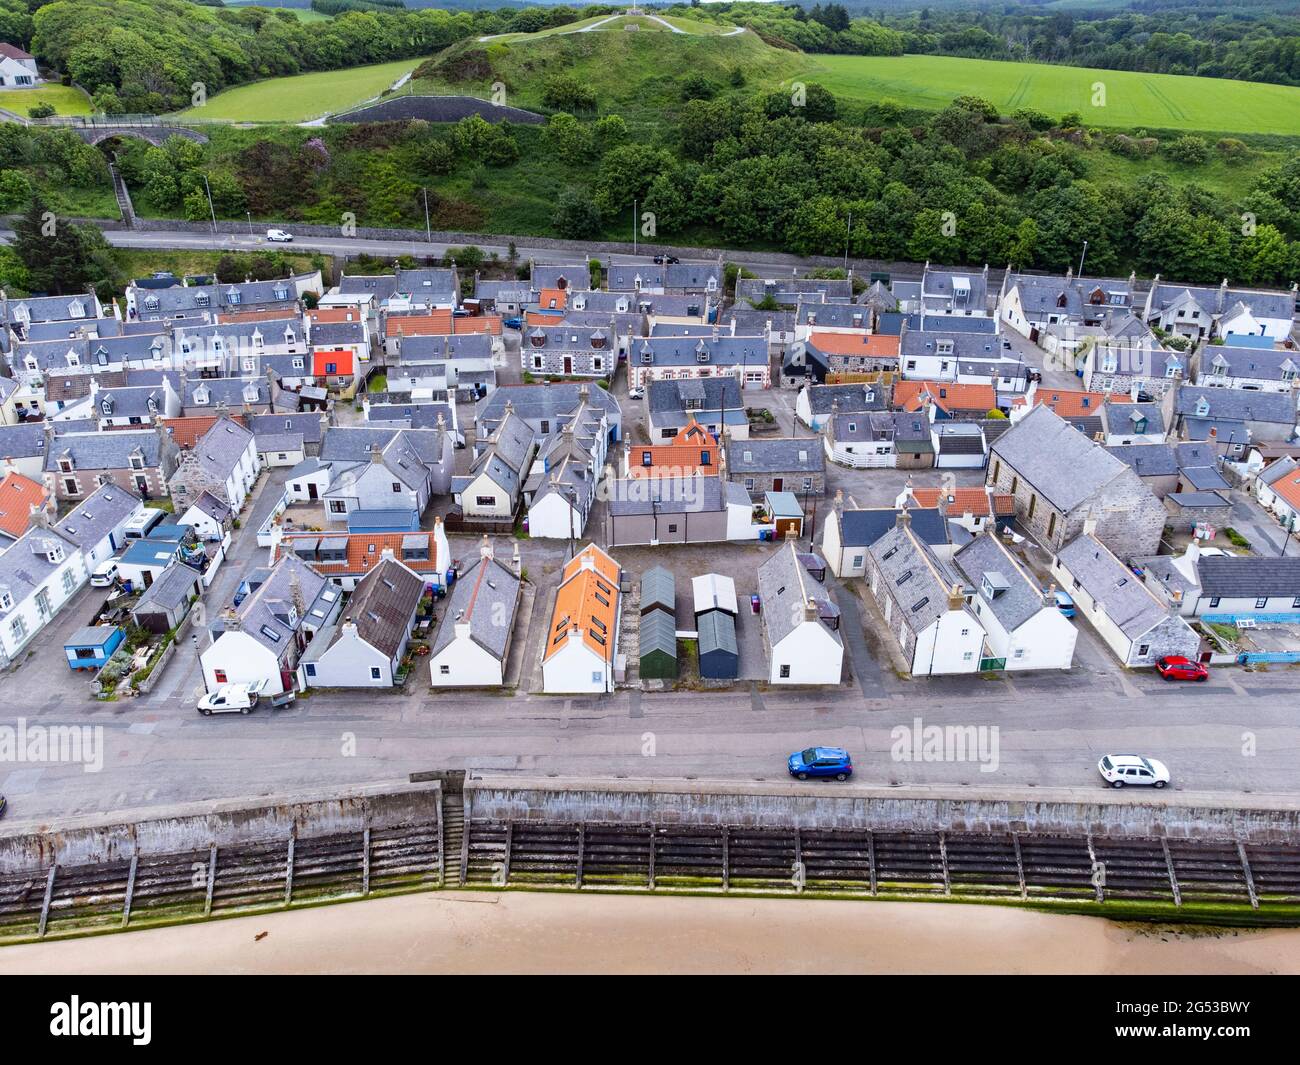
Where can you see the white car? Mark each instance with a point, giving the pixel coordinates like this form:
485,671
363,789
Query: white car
1117,770
636,393
279,235
231,699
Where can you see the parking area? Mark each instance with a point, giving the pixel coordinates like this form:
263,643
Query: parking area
41,678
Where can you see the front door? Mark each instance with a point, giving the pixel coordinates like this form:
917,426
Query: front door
778,484
311,490
148,577
568,364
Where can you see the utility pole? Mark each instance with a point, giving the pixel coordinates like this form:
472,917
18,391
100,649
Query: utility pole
1082,257
428,232
847,238
211,210
634,233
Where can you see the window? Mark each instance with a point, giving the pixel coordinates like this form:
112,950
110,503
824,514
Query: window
597,677
1215,601
374,673
1144,649
807,484
18,628
69,581
749,484
968,656
672,528
310,669
70,486
1261,602
445,670
485,501
785,672
219,675
705,458
397,486
857,560
338,506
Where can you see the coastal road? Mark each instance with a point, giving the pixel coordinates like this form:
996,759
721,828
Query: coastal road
1238,734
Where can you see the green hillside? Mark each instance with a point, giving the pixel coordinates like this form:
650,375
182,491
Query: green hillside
631,73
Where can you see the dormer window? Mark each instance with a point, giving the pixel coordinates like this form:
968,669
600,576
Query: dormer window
297,362
233,296
201,396
106,405
250,364
6,601
258,342
101,357
55,554
647,357
151,303
281,293
137,462
74,359
290,337
152,404
201,299
943,347
31,363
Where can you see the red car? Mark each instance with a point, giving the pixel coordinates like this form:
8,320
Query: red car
1176,667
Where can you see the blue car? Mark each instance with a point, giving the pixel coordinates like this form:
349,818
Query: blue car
821,762
1064,603
513,323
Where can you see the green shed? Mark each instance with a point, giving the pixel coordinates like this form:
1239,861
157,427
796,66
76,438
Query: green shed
658,646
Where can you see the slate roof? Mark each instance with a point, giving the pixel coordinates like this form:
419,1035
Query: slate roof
105,451
1020,598
1119,593
91,520
785,585
1263,304
645,495
308,426
421,349
219,450
1248,576
1147,460
668,400
1235,405
25,566
835,316
912,577
427,283
264,615
964,345
686,351
851,398
381,286
782,455
545,402
1125,417
381,606
169,590
1062,464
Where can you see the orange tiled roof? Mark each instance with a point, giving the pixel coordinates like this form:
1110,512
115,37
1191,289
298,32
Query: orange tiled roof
477,323
542,318
1068,403
1288,488
365,551
330,315
435,323
187,431
683,454
342,361
272,315
554,299
874,344
908,395
961,501
18,494
588,599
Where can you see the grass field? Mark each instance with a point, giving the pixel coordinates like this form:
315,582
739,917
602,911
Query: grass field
66,99
303,96
1132,99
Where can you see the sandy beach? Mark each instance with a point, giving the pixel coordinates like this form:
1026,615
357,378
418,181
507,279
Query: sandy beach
466,932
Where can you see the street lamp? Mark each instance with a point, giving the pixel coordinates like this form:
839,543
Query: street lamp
848,236
428,232
1082,257
211,210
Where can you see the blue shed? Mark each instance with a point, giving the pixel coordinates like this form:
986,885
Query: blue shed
93,646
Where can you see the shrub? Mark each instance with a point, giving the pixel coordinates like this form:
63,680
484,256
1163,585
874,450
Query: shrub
1188,150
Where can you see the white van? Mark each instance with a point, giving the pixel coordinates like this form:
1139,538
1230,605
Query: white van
105,574
232,699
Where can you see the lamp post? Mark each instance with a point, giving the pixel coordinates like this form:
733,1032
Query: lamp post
211,210
1082,257
428,231
848,236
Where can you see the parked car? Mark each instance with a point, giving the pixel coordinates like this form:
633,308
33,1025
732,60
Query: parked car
279,236
1176,667
232,699
821,762
636,393
1119,770
4,805
106,573
1064,603
513,323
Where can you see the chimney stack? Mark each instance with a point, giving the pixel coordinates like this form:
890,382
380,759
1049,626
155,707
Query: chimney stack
956,597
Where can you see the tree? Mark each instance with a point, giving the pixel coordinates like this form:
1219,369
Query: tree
59,256
1188,150
15,190
575,217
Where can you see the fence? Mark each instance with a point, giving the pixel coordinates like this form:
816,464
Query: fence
265,537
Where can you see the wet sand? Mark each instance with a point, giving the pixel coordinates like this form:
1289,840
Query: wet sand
522,932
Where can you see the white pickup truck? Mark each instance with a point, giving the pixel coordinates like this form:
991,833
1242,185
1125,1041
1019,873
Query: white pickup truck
232,699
